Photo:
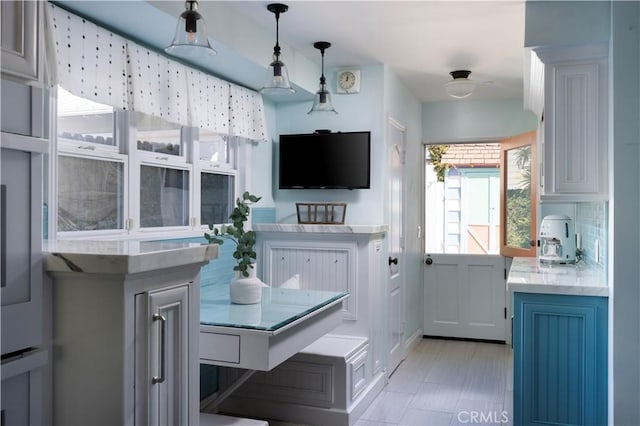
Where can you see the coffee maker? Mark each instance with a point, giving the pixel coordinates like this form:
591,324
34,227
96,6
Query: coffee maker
557,240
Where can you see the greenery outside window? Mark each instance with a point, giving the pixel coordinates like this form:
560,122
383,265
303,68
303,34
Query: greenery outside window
518,196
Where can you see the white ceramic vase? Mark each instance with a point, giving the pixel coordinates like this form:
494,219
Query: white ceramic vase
246,290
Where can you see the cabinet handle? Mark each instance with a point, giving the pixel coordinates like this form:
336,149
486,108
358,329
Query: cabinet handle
163,347
3,238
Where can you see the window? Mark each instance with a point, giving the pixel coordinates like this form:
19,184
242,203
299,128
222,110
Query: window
84,123
462,198
158,136
216,197
164,197
216,167
123,172
91,172
90,194
519,196
216,149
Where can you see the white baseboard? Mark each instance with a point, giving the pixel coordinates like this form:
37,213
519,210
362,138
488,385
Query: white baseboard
412,341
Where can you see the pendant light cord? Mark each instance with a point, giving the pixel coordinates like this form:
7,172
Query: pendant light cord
276,48
323,81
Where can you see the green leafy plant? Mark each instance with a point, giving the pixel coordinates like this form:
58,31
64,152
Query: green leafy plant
244,254
435,155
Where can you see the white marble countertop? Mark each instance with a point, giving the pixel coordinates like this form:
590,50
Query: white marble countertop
327,229
528,275
123,257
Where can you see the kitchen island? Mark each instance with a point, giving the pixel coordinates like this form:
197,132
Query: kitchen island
559,343
132,323
125,331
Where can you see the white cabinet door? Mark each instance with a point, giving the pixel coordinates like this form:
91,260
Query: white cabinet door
20,43
162,357
464,296
20,253
22,391
575,134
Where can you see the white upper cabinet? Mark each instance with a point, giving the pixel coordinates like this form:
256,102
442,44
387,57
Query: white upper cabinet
21,29
575,144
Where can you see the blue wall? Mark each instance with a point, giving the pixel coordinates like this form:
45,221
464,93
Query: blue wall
566,22
356,112
469,120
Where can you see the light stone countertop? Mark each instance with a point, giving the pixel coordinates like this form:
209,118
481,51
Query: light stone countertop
528,275
326,229
123,257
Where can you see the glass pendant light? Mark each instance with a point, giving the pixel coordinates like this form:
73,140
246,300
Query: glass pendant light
278,77
322,99
191,34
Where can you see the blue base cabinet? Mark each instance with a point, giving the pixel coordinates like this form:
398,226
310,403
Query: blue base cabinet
559,359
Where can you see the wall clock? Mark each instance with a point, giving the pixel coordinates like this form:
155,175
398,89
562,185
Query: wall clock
348,81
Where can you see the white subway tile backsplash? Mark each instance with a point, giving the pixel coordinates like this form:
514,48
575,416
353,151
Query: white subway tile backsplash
591,222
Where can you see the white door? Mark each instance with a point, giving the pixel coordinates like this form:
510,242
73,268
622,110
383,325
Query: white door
162,357
395,155
465,296
465,292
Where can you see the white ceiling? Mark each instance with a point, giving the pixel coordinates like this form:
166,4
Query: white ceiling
421,41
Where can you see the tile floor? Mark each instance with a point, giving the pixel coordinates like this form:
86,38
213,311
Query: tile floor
447,382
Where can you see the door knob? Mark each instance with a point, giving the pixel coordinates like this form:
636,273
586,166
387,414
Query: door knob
428,261
393,260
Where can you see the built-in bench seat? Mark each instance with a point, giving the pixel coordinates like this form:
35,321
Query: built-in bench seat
328,382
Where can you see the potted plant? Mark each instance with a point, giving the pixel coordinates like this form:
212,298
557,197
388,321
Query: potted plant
245,253
246,288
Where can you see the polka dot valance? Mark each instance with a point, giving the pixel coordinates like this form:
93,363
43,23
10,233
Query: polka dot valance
94,63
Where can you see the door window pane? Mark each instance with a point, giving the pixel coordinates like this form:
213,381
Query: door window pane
216,198
462,198
90,194
159,136
164,197
82,120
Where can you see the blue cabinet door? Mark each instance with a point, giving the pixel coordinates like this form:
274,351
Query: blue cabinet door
560,360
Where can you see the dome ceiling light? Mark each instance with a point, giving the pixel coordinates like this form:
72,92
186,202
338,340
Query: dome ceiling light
461,86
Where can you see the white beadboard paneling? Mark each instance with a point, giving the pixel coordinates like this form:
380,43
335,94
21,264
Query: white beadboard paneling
329,266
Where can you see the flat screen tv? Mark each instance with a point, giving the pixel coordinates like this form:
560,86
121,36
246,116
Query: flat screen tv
325,160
